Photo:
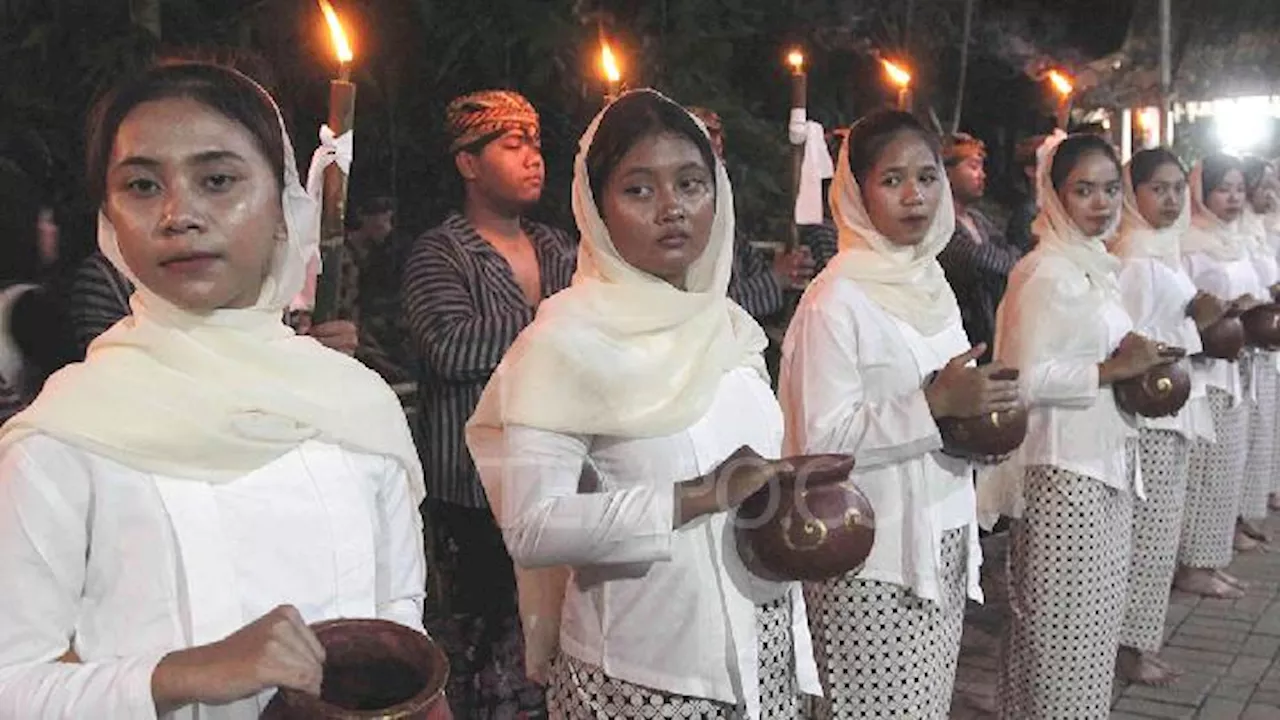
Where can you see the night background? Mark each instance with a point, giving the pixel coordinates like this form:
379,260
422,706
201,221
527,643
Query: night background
413,56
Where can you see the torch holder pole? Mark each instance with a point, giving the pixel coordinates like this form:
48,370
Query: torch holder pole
342,110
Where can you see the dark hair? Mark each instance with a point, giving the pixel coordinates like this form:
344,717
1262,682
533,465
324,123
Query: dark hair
1070,152
632,118
1144,164
363,207
222,90
872,134
1215,169
956,147
1255,170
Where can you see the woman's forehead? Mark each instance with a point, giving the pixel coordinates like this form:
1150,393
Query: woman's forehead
177,129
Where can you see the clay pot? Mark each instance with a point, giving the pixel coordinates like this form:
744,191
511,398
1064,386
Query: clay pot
814,525
987,436
1224,339
1159,392
372,669
1262,326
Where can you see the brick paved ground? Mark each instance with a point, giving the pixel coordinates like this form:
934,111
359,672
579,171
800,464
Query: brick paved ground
1230,650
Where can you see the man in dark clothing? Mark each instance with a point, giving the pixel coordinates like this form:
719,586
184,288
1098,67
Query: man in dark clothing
469,287
372,274
977,261
1018,231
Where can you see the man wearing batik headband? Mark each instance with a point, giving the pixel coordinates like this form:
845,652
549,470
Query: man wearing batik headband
756,283
977,260
469,287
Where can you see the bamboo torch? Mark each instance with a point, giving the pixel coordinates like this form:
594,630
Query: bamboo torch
611,71
342,111
799,116
901,79
1063,86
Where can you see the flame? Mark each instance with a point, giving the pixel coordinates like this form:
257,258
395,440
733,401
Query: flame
609,64
340,43
795,59
897,74
1061,82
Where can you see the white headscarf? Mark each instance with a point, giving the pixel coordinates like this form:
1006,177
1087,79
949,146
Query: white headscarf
620,353
906,281
1139,238
1222,241
1060,235
211,397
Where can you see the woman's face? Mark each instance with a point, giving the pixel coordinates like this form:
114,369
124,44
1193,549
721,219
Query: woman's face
195,205
1264,199
658,204
903,189
1162,197
1091,193
1226,201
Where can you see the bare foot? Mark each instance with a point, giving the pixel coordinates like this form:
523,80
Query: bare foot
1231,580
1243,542
1252,530
1206,582
1142,669
1274,502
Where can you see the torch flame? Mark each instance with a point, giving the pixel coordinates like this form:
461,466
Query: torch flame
897,75
340,43
609,64
1061,82
796,60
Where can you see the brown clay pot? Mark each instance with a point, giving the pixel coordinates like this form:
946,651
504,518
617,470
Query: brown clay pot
985,436
1262,326
1223,340
372,669
1159,392
814,525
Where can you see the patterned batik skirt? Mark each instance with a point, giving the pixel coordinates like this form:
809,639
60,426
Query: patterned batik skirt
580,691
1214,479
1157,529
1260,463
881,651
1068,580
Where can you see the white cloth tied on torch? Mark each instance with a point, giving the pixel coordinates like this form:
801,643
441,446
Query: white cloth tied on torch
814,168
333,150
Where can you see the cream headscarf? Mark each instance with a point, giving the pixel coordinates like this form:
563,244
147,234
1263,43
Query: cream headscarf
1222,241
1060,235
212,397
619,353
1138,238
906,281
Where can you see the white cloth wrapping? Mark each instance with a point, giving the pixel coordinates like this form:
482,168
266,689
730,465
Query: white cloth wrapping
126,566
815,167
333,150
1061,316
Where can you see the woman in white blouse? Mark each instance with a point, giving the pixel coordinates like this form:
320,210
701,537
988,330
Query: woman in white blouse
1263,377
1215,254
875,354
175,510
620,430
1071,484
1165,306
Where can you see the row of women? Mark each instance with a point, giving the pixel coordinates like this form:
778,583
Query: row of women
178,509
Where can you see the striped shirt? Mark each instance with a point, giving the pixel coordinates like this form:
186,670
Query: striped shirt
98,298
463,309
977,270
752,283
